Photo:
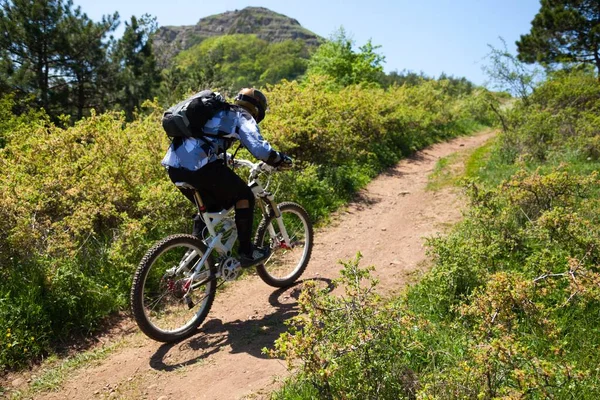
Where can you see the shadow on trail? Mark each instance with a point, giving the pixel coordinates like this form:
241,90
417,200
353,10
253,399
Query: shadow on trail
247,336
418,158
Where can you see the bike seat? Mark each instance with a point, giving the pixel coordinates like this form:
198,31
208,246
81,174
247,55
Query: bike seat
184,185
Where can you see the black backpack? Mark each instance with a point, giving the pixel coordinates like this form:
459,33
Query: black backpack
187,119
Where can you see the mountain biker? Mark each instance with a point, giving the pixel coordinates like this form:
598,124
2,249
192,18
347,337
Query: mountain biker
199,162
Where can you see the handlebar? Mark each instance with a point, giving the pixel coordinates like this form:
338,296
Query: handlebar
255,168
261,166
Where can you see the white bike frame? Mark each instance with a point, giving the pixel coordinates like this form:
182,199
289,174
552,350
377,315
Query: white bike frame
214,241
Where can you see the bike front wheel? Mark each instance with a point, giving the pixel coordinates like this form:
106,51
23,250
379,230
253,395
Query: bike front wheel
167,304
286,262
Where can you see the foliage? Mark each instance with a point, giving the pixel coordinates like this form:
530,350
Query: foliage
342,143
344,342
404,77
78,208
509,74
54,53
509,310
80,205
563,31
564,119
338,60
9,121
58,59
520,273
511,306
84,57
233,61
138,77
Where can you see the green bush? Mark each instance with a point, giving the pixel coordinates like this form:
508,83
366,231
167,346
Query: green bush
77,217
81,205
512,304
560,117
509,310
353,346
230,62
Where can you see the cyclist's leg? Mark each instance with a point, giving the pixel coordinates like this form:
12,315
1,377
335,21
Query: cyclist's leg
191,177
183,175
231,190
243,221
225,189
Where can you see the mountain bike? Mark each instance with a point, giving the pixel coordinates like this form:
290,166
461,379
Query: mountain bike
176,281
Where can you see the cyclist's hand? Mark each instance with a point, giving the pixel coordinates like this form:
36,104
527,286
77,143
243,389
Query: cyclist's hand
286,162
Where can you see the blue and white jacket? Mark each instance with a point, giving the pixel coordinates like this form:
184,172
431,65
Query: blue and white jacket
232,124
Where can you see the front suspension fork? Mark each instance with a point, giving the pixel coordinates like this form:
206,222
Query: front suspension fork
270,208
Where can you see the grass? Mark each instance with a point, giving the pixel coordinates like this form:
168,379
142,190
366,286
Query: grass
481,164
57,371
296,389
448,171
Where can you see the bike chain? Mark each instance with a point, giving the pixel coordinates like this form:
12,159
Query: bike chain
211,278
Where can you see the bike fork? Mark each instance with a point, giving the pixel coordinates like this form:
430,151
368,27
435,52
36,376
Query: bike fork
282,230
270,200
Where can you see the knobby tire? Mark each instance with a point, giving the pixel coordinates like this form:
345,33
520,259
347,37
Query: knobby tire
145,283
291,262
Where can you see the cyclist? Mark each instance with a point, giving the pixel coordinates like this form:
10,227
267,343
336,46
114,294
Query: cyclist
199,161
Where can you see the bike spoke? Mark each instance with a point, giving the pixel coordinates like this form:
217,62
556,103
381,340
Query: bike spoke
153,305
163,286
288,258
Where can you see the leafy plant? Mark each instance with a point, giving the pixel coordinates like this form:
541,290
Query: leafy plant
338,60
510,308
81,205
344,342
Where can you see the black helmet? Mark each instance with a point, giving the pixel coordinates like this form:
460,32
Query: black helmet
254,101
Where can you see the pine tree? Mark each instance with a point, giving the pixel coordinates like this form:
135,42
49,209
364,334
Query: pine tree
139,76
85,62
31,34
563,31
52,53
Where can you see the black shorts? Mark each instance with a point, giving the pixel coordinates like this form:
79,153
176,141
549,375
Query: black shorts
217,184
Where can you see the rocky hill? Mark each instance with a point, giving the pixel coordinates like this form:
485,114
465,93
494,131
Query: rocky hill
264,23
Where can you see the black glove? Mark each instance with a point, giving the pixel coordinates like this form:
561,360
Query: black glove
285,162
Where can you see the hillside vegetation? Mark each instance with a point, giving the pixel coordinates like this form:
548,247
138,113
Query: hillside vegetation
54,57
511,307
234,61
81,204
256,21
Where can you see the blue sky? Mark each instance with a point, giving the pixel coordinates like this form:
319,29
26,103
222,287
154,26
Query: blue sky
432,36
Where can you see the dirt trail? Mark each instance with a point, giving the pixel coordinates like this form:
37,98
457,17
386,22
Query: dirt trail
387,224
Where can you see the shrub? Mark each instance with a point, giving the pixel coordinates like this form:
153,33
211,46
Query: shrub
352,346
509,310
81,205
560,117
511,306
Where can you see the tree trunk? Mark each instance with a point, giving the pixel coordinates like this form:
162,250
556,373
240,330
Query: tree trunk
80,96
597,59
45,70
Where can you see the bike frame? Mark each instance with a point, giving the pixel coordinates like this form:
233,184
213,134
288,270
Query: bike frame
214,241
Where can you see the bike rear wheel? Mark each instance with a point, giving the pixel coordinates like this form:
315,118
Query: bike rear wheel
286,263
166,304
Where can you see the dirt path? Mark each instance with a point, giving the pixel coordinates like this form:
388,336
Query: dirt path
386,224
